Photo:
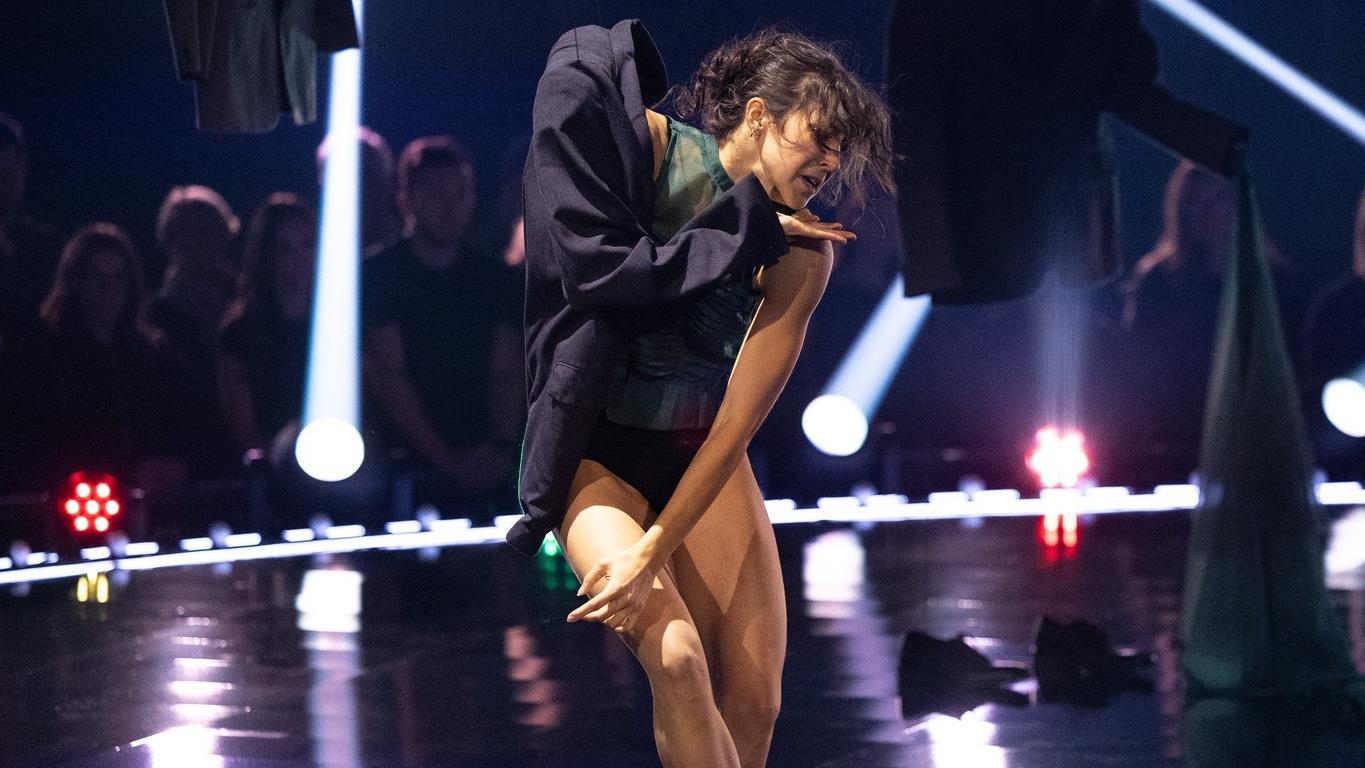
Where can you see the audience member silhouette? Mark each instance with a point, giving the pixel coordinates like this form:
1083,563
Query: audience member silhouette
1169,316
100,390
26,274
442,330
380,220
263,348
196,229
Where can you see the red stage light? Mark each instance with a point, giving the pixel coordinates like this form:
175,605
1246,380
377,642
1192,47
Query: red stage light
1059,459
87,498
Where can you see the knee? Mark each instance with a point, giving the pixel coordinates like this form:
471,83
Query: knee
681,666
756,702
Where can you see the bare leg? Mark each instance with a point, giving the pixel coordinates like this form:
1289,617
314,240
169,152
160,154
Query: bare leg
728,574
604,516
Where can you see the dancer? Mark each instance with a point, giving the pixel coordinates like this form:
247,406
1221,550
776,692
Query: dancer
670,277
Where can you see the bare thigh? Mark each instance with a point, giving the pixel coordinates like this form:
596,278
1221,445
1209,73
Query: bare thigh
728,574
605,515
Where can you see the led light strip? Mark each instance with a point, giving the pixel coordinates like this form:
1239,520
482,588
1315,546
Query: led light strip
405,535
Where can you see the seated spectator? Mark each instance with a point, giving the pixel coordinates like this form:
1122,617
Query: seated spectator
263,348
380,221
196,229
442,338
1170,317
100,390
26,275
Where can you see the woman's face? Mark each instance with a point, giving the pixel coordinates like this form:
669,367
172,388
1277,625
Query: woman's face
792,163
103,290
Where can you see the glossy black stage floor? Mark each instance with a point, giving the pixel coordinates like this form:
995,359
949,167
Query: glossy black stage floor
461,657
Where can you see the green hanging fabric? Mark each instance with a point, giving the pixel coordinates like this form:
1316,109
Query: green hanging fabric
1257,618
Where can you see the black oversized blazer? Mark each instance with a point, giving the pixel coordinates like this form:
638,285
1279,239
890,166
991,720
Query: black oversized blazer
591,258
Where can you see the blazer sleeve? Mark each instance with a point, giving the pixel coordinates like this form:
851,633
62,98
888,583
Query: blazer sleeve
1137,98
191,24
606,256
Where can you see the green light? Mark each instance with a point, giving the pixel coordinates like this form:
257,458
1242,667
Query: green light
550,547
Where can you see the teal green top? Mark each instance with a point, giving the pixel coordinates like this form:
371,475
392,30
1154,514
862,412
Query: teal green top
678,362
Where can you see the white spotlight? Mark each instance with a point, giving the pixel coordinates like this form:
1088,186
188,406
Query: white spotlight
1343,400
865,374
329,450
835,425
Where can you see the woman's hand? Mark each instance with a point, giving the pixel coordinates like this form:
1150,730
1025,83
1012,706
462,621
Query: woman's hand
804,224
629,576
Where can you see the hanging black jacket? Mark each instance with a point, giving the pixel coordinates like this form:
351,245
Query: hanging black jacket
1006,172
588,196
253,59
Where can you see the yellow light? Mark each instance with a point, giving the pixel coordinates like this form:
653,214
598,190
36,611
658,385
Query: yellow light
102,589
83,589
83,490
102,490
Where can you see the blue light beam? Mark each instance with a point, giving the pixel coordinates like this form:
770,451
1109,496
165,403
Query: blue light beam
329,446
1251,53
837,421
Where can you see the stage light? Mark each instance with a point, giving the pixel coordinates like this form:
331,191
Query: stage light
1343,400
1224,35
835,425
81,503
836,422
330,449
329,446
1059,459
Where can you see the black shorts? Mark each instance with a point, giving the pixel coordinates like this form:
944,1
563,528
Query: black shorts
652,461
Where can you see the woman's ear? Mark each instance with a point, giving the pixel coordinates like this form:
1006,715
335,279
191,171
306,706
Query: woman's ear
756,113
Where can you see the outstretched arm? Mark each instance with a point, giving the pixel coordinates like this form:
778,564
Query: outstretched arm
792,288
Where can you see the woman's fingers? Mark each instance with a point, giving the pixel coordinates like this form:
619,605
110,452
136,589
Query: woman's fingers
591,578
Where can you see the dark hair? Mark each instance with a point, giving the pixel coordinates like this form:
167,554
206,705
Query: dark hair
181,200
258,265
11,132
430,152
793,73
375,154
62,312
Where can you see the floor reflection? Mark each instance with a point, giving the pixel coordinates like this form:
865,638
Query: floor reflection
460,657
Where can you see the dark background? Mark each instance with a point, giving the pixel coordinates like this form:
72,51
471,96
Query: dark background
111,129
